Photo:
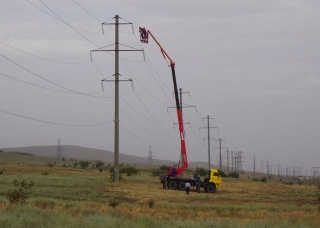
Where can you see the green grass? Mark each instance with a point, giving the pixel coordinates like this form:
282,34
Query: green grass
29,216
68,197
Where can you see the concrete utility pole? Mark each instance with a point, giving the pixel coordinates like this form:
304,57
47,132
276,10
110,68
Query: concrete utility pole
59,150
208,138
236,161
231,161
150,156
279,168
240,161
315,174
228,160
220,161
116,90
220,147
220,157
254,164
116,96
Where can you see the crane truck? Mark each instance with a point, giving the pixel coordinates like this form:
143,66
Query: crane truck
213,179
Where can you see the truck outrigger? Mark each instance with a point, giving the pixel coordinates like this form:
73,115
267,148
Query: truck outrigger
171,180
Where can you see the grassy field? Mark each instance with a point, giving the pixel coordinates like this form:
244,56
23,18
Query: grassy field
68,197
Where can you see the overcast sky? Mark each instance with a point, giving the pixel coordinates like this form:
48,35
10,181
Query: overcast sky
251,65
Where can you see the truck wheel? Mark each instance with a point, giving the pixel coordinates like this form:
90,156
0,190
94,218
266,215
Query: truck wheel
172,184
210,188
182,185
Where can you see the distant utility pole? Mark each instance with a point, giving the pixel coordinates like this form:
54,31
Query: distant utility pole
59,150
254,164
208,138
279,168
220,160
220,157
269,169
315,174
235,161
116,94
240,161
228,160
232,161
150,156
295,171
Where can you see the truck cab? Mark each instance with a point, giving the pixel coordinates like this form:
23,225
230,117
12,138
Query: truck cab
212,181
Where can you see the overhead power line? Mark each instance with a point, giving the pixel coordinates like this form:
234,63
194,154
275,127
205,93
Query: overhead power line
49,80
62,124
87,11
42,87
55,61
60,20
69,25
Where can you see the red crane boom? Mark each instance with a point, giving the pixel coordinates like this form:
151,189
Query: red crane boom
144,35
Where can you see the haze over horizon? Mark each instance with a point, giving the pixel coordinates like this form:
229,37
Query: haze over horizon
252,66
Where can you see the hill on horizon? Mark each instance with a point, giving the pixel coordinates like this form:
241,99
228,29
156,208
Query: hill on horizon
83,153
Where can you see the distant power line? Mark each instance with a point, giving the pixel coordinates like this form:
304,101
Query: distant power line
48,122
39,57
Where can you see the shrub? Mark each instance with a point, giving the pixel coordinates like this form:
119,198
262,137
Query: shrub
164,168
202,171
84,164
234,174
113,202
23,184
156,172
100,169
75,164
222,174
129,170
151,203
263,179
255,179
51,164
99,164
18,195
106,167
111,171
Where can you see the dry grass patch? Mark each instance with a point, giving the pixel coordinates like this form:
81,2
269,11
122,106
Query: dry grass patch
82,193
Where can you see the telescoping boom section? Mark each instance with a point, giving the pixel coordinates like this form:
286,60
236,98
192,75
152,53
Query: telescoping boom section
144,38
